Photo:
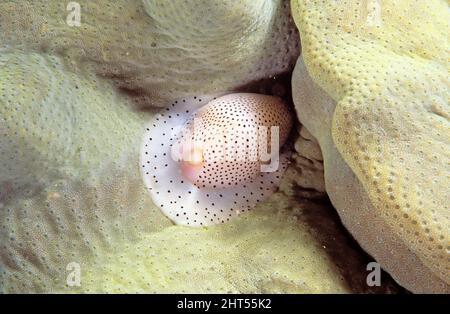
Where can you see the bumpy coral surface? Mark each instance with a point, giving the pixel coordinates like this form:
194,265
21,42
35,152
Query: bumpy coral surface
385,68
203,46
70,185
48,120
348,195
284,247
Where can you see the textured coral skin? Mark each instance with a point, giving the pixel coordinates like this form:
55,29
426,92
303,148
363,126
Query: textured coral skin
48,115
275,249
350,199
203,46
389,83
70,187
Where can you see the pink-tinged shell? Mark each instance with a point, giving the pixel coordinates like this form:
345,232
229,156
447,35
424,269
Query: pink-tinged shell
217,183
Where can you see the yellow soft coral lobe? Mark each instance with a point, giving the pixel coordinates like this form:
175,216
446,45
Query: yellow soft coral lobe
386,65
266,251
161,50
70,188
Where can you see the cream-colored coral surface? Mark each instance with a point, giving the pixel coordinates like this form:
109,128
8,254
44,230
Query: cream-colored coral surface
374,92
159,50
